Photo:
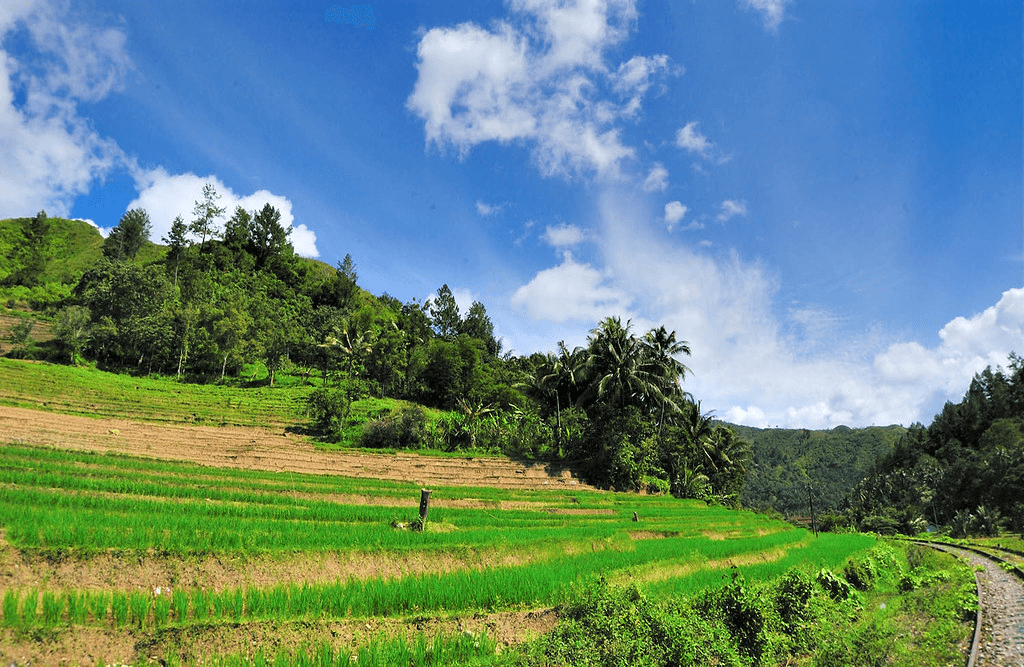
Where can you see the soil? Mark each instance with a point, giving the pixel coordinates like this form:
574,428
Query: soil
276,450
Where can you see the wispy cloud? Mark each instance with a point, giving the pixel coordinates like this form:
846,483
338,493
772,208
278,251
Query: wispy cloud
689,137
772,11
657,179
488,210
534,77
563,236
730,208
51,152
674,212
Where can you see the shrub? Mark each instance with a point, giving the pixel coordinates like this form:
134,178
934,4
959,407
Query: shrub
328,409
406,429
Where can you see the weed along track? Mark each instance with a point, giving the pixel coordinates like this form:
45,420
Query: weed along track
1001,602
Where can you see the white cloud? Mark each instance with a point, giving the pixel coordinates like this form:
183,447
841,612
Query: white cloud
486,209
563,236
535,78
689,138
51,154
674,212
751,363
772,11
165,196
730,208
657,179
569,291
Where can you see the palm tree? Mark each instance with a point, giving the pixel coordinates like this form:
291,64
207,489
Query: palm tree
662,348
615,367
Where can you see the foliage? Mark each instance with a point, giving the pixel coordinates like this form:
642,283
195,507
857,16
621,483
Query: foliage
404,429
329,408
126,239
964,471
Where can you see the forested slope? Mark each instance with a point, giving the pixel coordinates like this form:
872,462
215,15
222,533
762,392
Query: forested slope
786,462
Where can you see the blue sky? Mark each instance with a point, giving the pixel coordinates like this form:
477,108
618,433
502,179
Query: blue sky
824,198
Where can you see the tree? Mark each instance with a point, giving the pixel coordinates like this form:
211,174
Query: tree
237,230
268,238
478,325
444,313
206,213
177,242
20,335
662,348
615,368
345,282
125,240
32,251
70,328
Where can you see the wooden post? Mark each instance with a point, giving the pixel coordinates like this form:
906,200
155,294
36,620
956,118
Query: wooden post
810,502
424,504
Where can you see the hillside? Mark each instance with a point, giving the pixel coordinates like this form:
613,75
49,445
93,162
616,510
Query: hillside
786,461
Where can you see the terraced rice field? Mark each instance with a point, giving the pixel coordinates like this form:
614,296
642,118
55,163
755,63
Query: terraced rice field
108,557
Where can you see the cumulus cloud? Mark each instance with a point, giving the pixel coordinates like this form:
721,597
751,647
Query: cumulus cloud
752,363
730,208
657,179
689,138
674,212
563,236
51,153
538,78
772,11
569,291
165,196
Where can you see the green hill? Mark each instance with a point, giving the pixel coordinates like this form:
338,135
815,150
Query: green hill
786,461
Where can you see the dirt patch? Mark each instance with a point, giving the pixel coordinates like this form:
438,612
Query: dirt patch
127,572
272,450
93,645
582,512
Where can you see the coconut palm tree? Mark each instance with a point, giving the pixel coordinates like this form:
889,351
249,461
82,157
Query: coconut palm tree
662,348
615,370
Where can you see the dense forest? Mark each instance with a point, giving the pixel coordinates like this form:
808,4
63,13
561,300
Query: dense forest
225,299
792,470
965,471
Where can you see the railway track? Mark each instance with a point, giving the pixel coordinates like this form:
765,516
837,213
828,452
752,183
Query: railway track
999,629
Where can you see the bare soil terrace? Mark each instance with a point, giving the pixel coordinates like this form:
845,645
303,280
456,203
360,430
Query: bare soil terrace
276,450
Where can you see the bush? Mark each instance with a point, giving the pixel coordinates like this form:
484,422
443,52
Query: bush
328,408
405,429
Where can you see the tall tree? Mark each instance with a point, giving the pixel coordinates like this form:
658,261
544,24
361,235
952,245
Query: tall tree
206,213
70,328
237,230
478,325
444,313
662,348
268,238
615,368
131,232
32,251
177,242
